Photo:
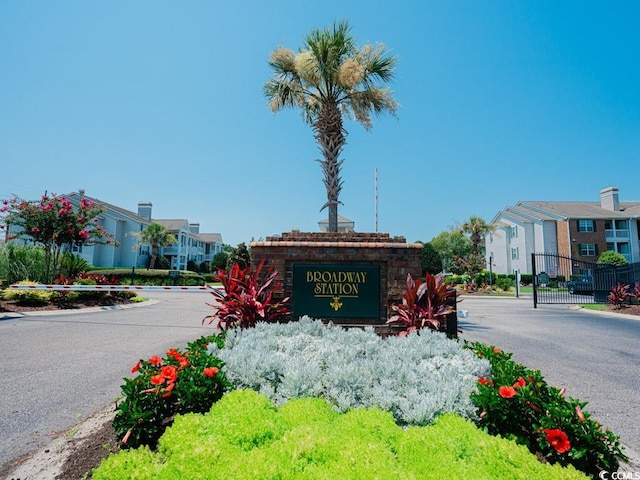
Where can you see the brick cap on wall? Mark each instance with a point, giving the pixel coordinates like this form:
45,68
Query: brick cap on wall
339,240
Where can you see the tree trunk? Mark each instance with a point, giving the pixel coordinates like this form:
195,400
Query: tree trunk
333,217
331,139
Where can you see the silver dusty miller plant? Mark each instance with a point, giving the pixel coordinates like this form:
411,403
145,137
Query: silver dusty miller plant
417,377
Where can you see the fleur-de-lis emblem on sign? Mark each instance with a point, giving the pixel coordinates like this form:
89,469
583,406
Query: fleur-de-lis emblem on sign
336,303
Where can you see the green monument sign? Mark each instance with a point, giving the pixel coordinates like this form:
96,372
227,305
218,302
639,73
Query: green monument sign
336,291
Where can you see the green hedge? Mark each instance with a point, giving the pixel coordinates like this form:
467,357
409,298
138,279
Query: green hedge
145,276
246,436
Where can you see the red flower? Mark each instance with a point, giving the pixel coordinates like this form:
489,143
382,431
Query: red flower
172,352
83,234
35,230
520,383
210,371
155,360
507,392
169,372
485,381
135,368
157,380
558,439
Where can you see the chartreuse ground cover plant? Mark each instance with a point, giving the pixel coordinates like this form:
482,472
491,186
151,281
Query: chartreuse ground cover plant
163,387
416,378
517,403
245,436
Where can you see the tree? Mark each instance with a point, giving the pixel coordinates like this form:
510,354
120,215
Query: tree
431,261
476,228
239,255
157,236
55,223
612,258
451,244
219,261
328,78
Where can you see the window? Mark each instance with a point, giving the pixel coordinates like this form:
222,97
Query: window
588,249
515,255
585,226
621,225
514,231
76,249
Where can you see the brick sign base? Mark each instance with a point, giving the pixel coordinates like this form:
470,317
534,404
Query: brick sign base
392,257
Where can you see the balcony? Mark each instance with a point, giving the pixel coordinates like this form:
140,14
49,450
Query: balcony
611,234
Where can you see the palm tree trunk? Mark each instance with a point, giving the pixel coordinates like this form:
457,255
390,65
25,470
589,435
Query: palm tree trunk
331,137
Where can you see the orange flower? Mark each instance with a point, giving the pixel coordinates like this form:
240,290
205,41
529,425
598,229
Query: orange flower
579,413
520,383
169,372
210,371
507,392
136,367
155,360
558,439
485,381
497,351
157,380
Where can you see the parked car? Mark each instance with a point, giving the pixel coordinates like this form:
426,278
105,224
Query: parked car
582,285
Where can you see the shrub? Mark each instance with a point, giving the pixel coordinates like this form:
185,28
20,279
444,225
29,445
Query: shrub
18,262
71,265
485,277
32,298
619,295
304,439
162,263
247,298
517,403
505,284
424,304
416,377
526,278
164,387
612,258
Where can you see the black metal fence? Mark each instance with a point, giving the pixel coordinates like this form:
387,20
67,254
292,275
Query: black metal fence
561,280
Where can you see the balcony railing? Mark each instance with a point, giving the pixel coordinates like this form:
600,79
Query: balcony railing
610,233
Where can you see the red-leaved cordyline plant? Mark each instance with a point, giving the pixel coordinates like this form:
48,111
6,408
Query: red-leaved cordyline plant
424,304
247,298
619,295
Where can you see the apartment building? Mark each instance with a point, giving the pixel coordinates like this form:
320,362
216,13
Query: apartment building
578,230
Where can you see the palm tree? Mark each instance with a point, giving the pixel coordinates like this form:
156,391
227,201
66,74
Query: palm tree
328,78
157,236
477,228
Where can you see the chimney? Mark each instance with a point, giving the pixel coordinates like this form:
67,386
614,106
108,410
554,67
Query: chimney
194,227
144,210
609,199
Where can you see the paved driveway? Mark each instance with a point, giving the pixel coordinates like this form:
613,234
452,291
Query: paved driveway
595,355
59,369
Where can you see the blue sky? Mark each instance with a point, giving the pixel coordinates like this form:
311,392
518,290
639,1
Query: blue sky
162,101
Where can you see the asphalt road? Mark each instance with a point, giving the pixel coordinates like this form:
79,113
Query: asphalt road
595,355
59,369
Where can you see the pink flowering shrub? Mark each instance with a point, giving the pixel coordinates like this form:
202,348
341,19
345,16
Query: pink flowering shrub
55,223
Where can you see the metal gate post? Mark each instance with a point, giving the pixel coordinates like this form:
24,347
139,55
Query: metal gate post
534,280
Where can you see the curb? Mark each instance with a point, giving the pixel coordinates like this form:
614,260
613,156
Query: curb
75,311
